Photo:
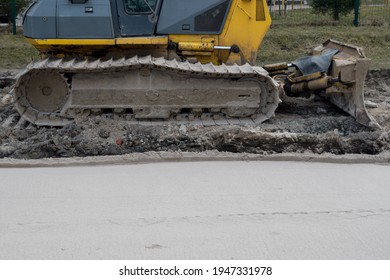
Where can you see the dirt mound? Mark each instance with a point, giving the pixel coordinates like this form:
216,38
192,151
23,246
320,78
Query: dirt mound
299,126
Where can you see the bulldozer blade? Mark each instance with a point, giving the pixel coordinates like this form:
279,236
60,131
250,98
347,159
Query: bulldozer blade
350,67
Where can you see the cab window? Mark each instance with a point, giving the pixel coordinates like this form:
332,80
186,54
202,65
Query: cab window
140,6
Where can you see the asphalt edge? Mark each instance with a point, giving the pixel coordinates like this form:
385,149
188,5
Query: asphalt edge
160,157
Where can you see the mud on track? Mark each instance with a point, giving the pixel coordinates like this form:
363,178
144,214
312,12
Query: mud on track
300,125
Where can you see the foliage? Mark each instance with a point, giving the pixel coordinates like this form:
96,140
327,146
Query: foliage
333,7
6,8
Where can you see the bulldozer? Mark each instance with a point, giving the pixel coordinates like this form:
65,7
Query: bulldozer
171,60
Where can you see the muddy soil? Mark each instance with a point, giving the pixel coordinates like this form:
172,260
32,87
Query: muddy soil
300,126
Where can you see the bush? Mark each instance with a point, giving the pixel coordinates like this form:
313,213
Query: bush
6,8
333,7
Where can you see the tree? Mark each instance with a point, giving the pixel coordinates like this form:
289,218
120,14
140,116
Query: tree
6,8
333,7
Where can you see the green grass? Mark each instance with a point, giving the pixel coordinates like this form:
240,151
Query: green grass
15,52
288,43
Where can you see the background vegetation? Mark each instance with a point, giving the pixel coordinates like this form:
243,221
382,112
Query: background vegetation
320,12
5,8
333,7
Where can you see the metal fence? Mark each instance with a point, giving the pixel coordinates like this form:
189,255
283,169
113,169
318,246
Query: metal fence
301,12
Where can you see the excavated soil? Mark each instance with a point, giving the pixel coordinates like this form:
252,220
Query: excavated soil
300,126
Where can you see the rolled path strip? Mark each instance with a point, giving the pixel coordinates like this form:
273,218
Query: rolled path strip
196,210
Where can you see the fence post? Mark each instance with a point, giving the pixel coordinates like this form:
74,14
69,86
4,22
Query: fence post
357,7
13,15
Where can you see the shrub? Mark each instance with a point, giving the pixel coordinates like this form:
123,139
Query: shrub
6,8
333,7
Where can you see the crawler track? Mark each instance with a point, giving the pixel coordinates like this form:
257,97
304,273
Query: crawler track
15,121
54,92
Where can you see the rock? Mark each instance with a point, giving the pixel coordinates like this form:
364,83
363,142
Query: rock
183,129
7,99
7,150
321,110
104,133
370,104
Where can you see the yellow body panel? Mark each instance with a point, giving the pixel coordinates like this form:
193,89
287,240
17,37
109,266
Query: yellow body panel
71,42
160,40
246,24
86,47
157,40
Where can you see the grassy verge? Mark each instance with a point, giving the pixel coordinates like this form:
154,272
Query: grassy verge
281,44
15,52
289,43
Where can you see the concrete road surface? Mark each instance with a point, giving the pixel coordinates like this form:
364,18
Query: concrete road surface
196,210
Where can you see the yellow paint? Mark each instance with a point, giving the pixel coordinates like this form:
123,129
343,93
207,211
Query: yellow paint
247,33
71,42
198,54
86,46
244,11
260,10
194,38
159,40
196,46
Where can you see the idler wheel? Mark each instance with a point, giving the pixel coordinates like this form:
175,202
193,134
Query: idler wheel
47,91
